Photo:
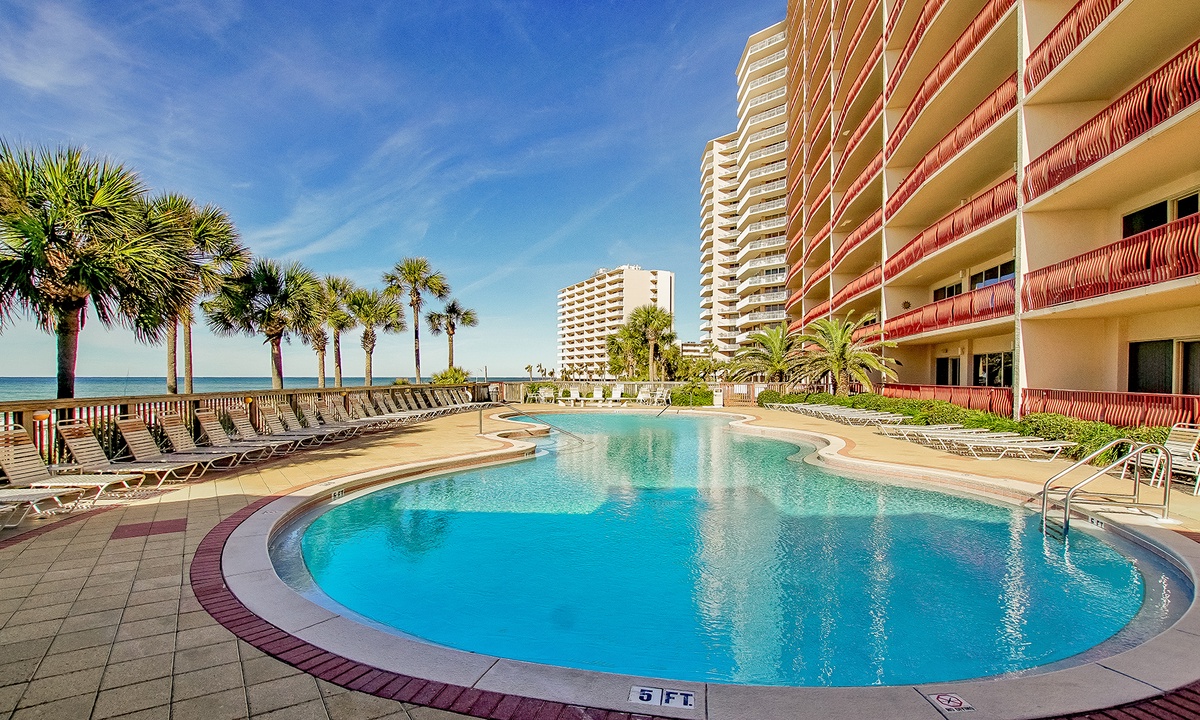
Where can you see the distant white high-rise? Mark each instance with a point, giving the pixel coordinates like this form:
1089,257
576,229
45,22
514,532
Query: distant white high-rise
590,311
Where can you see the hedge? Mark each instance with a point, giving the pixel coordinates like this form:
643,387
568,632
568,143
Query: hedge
1090,436
692,395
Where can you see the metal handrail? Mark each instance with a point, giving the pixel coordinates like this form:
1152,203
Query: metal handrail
540,420
1161,464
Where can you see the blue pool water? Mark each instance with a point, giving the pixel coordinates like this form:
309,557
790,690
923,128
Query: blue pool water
676,548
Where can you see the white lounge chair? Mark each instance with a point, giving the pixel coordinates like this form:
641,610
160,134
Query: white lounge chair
90,457
27,472
144,448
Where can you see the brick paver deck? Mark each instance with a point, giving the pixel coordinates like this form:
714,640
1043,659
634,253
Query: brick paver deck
99,614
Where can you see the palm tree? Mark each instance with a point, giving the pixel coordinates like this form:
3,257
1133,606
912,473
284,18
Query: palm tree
217,255
269,300
654,324
771,356
414,277
541,370
830,348
529,369
448,320
624,348
374,309
337,290
76,233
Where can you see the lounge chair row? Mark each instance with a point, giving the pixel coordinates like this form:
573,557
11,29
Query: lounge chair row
35,487
646,395
980,443
842,414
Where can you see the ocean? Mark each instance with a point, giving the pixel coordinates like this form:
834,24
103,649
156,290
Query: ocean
44,388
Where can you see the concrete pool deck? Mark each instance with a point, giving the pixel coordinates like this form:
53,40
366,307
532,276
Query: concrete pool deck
100,618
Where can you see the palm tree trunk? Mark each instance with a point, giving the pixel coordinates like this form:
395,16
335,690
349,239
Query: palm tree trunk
321,368
417,340
653,374
172,341
67,334
187,355
368,369
337,359
450,342
276,363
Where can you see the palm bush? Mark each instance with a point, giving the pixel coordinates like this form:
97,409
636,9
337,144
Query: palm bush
337,290
376,312
771,356
77,235
448,320
829,349
654,324
270,300
413,278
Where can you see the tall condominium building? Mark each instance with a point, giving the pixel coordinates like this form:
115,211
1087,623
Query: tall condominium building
590,311
1011,185
743,203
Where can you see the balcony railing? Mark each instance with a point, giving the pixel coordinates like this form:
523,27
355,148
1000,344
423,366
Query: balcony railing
869,173
769,132
767,114
772,186
894,17
1169,90
993,204
861,79
983,24
822,236
765,151
860,285
986,303
819,123
767,169
998,400
869,227
863,22
859,133
777,259
769,224
1080,21
771,242
816,312
767,316
820,199
818,275
1121,409
1165,253
914,40
772,58
768,78
981,119
776,38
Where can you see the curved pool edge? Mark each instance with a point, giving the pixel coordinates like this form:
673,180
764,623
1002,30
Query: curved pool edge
235,580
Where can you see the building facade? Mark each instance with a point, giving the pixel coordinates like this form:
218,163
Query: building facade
743,179
1011,186
590,311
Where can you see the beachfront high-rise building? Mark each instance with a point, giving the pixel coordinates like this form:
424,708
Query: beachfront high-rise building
743,203
1012,186
590,311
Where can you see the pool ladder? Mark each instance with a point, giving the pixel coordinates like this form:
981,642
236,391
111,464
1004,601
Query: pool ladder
543,421
1133,464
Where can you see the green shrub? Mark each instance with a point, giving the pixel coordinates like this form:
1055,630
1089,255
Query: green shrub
694,394
450,376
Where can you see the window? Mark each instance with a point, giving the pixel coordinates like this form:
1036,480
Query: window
993,275
1191,368
1144,219
946,371
949,291
1151,366
1186,206
994,369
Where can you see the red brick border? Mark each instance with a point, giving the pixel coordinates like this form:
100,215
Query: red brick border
209,585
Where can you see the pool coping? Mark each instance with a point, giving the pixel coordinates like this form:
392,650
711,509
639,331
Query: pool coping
235,580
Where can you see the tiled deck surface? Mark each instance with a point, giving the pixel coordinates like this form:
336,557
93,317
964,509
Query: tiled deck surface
98,617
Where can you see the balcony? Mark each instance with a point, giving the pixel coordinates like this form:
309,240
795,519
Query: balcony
998,400
1090,56
856,288
1121,409
767,261
854,47
763,317
1166,253
983,56
978,149
981,305
778,166
758,281
854,142
865,179
1163,102
752,249
762,299
818,310
959,237
861,234
811,282
767,79
867,85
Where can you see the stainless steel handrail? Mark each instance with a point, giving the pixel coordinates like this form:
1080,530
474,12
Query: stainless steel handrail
538,419
1161,465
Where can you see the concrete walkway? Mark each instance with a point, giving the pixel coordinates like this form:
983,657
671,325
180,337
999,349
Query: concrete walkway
98,620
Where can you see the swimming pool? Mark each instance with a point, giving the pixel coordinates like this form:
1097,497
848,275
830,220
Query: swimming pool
673,547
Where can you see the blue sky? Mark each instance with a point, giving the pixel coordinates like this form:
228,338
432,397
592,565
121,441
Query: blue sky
518,145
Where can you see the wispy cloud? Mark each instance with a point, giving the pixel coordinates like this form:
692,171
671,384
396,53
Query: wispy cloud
49,47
